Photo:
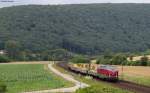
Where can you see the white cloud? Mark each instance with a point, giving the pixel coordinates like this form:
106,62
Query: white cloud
45,2
82,1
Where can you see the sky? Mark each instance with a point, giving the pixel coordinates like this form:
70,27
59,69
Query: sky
51,2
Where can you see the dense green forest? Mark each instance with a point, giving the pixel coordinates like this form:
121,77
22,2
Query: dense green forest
33,31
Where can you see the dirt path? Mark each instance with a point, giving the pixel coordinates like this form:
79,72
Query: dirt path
66,77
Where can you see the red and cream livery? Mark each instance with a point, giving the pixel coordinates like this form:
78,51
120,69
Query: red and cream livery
107,72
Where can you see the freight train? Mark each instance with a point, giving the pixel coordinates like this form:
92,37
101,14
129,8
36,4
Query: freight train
105,72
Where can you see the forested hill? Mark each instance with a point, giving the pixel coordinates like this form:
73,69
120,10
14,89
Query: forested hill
85,29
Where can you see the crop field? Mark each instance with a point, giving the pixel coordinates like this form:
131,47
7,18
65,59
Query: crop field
135,70
137,74
29,77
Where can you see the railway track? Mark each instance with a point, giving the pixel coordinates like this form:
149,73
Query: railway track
126,85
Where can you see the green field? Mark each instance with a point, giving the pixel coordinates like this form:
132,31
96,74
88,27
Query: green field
29,77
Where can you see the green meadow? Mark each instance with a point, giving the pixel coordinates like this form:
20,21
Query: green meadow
29,77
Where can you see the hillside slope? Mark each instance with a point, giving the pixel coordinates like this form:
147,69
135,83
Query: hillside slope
86,29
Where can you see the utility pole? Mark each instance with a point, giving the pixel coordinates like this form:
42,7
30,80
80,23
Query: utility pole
53,59
122,71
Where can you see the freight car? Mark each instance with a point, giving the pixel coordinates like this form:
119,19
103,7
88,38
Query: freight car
106,72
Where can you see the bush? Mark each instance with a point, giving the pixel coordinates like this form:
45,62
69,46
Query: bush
102,60
4,58
98,89
133,63
90,90
80,59
119,59
3,87
129,63
144,61
148,63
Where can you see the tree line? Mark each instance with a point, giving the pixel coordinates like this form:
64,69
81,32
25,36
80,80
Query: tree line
112,59
33,31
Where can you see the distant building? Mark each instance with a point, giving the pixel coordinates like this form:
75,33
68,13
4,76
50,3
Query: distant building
137,58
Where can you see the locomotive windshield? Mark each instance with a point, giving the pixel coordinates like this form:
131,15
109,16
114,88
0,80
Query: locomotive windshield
108,67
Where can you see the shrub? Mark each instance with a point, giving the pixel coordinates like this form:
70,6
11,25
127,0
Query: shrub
3,87
90,90
103,60
128,63
4,58
133,63
119,59
98,89
80,59
148,63
144,61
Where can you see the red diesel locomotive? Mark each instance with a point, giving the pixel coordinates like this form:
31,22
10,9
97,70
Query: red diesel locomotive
106,72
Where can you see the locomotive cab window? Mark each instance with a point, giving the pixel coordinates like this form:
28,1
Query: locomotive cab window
107,67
